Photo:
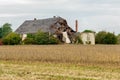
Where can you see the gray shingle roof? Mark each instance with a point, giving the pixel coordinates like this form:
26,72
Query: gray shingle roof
33,26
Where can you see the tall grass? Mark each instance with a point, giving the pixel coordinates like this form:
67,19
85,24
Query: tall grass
89,54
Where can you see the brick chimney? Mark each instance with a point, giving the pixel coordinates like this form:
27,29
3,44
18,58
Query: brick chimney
76,25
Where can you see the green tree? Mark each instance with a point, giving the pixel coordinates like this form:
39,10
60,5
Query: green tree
5,30
106,38
110,38
0,32
99,39
118,39
12,39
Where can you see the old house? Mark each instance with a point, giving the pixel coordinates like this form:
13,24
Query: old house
56,26
88,38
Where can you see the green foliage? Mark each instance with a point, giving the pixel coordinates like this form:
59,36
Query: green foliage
88,31
30,35
78,40
1,43
100,37
53,40
40,38
110,38
5,30
106,38
12,39
0,32
29,41
45,38
118,39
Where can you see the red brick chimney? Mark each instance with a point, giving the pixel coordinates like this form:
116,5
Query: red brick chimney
76,25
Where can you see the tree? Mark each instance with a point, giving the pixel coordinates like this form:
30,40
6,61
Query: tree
110,38
118,39
12,39
5,30
106,38
0,32
100,37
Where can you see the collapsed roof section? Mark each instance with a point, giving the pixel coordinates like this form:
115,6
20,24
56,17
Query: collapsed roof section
46,25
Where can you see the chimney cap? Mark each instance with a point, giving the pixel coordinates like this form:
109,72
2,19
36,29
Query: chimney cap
35,18
54,16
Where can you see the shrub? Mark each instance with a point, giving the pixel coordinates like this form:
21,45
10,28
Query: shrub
88,31
78,40
1,43
105,38
42,38
110,38
53,40
100,37
118,39
29,41
31,35
12,39
45,38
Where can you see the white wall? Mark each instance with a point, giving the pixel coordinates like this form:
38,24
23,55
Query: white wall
88,37
24,36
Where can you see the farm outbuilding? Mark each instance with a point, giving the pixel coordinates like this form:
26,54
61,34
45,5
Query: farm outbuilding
56,26
88,38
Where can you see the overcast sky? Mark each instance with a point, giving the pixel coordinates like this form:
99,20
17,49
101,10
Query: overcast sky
95,15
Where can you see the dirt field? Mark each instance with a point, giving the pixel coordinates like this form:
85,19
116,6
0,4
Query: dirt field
60,62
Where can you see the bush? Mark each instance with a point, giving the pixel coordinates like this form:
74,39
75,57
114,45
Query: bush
118,39
29,41
12,39
110,38
1,43
105,38
88,31
78,40
45,38
53,40
42,38
31,35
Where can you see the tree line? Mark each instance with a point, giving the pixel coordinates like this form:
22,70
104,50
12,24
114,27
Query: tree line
8,37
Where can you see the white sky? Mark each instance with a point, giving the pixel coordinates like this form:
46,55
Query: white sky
96,15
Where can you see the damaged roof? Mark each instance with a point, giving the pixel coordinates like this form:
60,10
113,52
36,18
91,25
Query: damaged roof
33,26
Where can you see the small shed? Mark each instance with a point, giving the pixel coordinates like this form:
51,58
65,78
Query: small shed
88,38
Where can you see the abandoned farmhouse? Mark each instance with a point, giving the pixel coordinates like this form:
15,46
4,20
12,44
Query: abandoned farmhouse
56,26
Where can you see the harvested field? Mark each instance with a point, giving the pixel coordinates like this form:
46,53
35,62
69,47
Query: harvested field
60,62
97,54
